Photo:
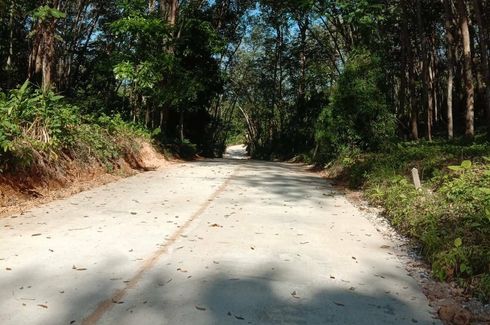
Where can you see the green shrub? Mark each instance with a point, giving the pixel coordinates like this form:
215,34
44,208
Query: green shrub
187,150
358,114
449,216
36,128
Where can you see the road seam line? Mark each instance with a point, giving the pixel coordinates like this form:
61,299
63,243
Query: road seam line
106,305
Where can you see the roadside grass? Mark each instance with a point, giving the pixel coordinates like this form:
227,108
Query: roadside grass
449,217
39,132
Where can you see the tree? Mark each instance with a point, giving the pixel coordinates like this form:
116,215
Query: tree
483,42
467,67
44,35
450,68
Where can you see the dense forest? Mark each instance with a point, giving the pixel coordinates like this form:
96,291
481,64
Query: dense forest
295,75
376,86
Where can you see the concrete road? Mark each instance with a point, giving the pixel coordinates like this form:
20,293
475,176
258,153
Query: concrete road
210,242
236,152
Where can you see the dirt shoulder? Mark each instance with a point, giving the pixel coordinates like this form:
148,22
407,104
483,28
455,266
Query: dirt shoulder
21,192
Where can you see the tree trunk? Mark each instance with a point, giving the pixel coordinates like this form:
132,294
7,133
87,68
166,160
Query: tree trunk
303,26
450,68
405,48
11,36
477,4
152,6
170,11
429,103
468,72
48,55
414,110
433,75
35,59
181,126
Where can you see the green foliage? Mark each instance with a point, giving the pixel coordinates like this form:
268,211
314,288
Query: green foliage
358,114
449,217
142,76
46,12
37,128
465,166
186,149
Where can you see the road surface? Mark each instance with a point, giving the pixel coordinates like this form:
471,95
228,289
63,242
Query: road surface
209,242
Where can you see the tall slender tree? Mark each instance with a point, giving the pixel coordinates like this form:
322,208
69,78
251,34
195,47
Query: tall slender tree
448,21
467,69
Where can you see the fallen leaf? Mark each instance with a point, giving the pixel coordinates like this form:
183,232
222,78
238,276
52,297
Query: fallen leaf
43,306
8,269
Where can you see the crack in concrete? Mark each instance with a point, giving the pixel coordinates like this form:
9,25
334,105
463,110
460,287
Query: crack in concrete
106,305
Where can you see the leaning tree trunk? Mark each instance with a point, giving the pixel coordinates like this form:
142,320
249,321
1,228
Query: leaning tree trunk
467,70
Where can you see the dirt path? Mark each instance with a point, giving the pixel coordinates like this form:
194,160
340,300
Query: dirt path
211,242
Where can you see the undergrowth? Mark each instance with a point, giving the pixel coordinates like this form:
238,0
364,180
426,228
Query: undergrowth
449,216
40,131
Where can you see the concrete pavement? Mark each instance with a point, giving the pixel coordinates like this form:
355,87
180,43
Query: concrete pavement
210,242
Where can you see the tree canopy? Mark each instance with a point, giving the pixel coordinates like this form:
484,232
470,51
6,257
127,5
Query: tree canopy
292,76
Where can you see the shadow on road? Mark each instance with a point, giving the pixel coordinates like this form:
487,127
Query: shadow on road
290,182
222,299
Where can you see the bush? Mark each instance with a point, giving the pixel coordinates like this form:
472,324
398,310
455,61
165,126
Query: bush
37,128
358,114
449,217
186,150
